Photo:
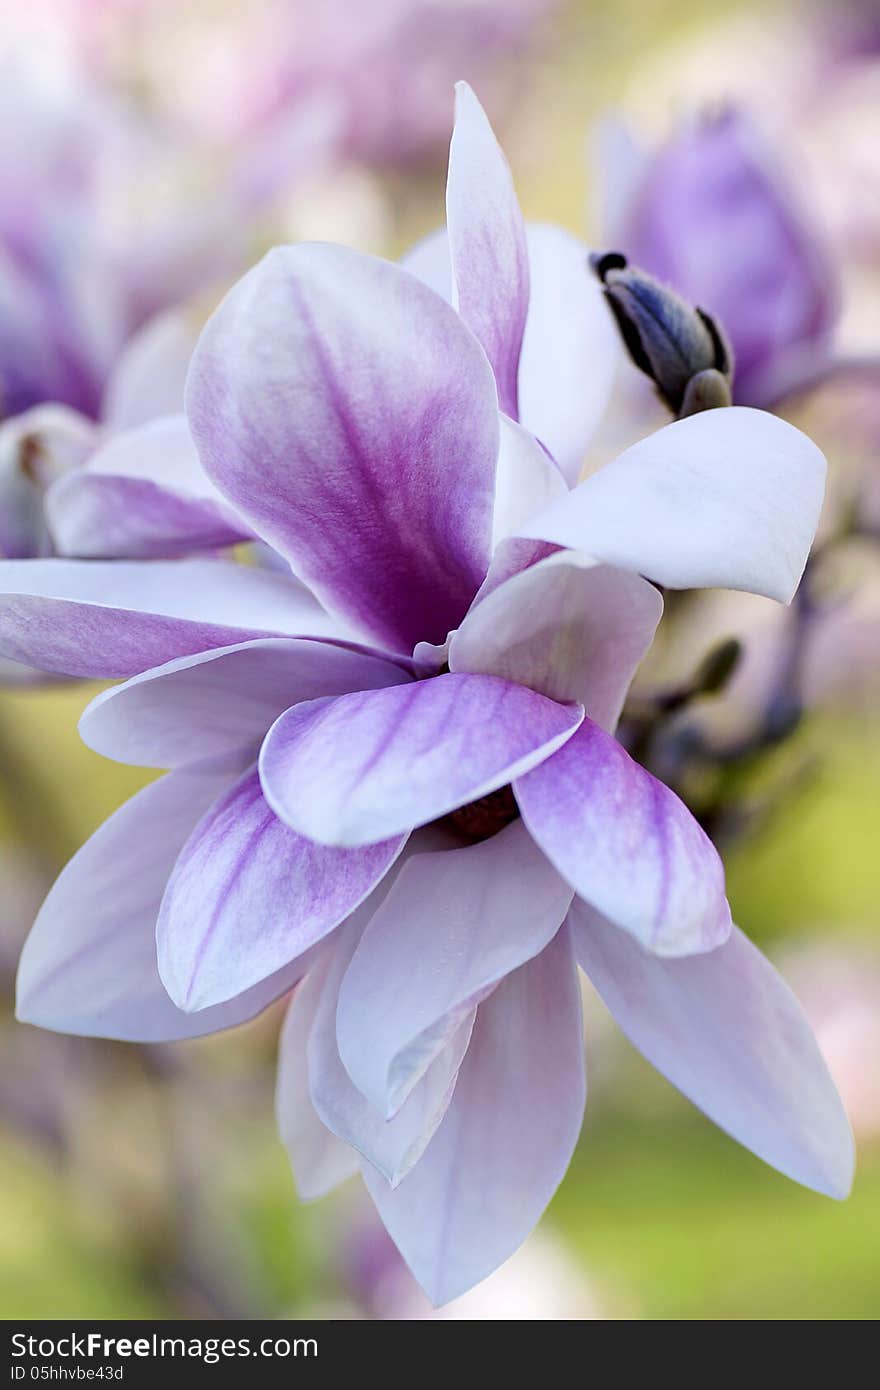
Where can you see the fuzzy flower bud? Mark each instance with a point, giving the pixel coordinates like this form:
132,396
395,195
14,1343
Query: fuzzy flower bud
679,347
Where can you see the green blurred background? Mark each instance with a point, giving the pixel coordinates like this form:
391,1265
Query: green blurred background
150,1183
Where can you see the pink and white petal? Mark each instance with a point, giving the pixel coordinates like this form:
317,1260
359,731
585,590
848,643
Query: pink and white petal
204,705
93,516
319,1160
487,241
727,1031
142,494
570,352
627,845
725,499
354,369
568,627
89,966
247,896
526,482
150,375
453,924
507,1137
368,766
161,451
111,620
393,1146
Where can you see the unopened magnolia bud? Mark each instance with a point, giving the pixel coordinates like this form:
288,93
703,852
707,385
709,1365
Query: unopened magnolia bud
678,346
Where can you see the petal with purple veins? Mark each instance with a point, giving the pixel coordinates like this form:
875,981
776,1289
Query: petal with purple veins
89,966
487,240
111,620
365,767
347,412
142,495
453,924
247,896
568,627
204,705
627,844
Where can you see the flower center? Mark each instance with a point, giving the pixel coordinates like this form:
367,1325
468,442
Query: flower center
482,819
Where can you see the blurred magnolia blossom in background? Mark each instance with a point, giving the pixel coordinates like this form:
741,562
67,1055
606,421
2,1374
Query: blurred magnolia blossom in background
375,77
709,213
839,985
98,233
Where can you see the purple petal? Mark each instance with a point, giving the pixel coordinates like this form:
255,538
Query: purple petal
627,845
95,517
727,1031
567,627
89,966
143,495
365,767
570,350
247,896
204,705
319,1160
393,1146
726,499
451,927
507,1137
349,414
110,620
487,239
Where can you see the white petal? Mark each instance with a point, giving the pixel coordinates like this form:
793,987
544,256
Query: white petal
568,627
727,1031
726,499
506,1140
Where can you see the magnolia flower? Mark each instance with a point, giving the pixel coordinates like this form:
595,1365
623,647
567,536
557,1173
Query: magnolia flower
394,780
99,233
